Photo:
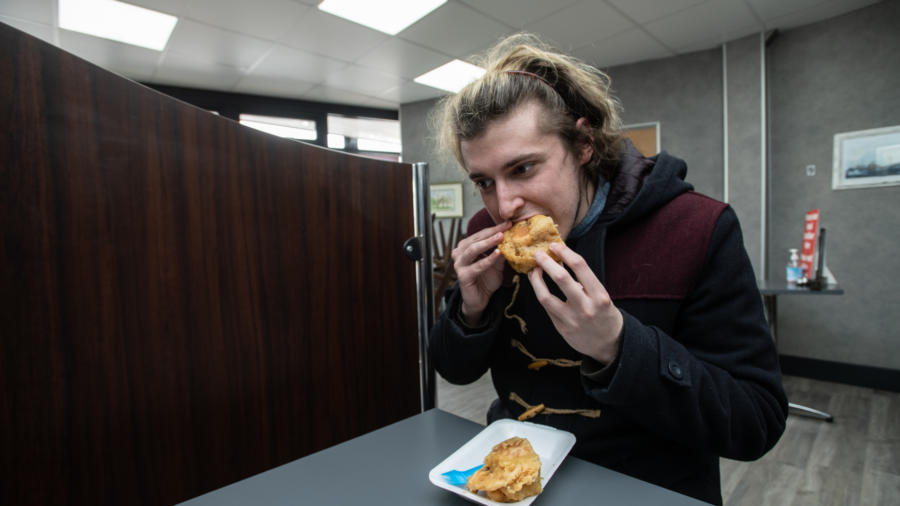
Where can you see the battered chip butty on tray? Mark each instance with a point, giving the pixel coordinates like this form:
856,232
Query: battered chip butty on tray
511,472
527,236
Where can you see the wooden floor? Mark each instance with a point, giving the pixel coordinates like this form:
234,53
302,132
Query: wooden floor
854,461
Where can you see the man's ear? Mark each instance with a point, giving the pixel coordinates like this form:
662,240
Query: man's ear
586,144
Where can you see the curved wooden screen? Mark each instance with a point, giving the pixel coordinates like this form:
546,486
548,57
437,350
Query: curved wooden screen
184,302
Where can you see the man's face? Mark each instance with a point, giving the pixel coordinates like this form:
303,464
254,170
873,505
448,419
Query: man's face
523,171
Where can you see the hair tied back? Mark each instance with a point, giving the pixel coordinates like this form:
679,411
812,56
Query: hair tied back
529,74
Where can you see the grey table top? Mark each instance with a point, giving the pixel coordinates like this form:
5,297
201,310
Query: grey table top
783,288
390,466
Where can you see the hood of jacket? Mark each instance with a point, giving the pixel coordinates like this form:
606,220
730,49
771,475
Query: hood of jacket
643,185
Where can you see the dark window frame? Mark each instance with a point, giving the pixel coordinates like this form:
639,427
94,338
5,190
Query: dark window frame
232,105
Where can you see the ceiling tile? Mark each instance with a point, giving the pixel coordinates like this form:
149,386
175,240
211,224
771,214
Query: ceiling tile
455,29
339,96
410,91
581,24
643,11
402,58
273,86
819,12
193,71
288,63
173,7
322,33
39,30
769,9
216,45
705,26
271,22
228,44
36,11
518,13
133,62
630,46
363,80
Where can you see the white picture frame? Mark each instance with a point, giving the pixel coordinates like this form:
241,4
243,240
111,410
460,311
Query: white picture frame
866,158
447,200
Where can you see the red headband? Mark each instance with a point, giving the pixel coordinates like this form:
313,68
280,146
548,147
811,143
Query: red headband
529,74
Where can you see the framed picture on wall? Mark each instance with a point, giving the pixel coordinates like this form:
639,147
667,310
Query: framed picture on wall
644,136
446,200
866,158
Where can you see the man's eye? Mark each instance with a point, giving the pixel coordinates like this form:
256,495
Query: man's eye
483,184
522,169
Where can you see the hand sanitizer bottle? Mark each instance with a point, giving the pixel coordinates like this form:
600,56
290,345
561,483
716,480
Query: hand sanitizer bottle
794,272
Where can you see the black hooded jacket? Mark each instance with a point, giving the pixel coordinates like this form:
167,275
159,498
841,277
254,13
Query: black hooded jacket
697,375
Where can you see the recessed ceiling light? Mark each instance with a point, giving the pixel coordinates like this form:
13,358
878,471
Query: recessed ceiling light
452,76
388,16
117,21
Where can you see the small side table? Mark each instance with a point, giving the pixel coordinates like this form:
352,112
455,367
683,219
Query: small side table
770,291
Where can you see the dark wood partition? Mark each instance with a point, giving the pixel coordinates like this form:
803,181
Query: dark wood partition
184,302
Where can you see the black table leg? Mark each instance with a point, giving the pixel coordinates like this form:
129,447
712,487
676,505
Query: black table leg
771,304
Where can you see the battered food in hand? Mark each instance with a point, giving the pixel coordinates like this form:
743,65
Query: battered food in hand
511,472
527,236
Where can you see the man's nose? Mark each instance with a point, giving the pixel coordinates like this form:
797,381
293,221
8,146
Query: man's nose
508,200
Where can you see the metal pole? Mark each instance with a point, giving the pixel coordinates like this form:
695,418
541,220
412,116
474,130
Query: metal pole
424,281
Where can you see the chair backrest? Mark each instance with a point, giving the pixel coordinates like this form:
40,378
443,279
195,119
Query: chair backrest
444,243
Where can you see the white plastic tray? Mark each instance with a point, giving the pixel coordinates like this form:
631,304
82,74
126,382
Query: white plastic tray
552,445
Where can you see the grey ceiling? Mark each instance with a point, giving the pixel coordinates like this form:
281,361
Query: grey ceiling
289,48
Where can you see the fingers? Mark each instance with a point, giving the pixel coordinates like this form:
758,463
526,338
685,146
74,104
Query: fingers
493,260
585,276
570,286
587,318
478,244
550,302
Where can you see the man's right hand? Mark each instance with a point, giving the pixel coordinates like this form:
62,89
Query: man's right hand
479,270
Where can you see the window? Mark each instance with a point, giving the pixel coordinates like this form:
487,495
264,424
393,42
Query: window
290,128
379,138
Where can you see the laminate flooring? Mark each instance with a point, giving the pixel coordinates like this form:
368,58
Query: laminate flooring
854,461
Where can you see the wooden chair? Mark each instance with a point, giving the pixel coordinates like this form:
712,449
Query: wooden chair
443,242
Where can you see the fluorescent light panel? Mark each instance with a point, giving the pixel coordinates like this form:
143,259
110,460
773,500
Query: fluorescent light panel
452,76
117,21
388,16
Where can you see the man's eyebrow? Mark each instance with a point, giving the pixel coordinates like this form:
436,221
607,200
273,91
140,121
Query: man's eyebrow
519,159
512,162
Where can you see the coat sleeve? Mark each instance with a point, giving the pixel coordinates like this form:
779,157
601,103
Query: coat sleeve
715,384
461,355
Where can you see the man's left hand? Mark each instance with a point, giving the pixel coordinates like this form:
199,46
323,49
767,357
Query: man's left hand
587,319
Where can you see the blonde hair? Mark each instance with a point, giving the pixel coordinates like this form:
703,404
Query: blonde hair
522,68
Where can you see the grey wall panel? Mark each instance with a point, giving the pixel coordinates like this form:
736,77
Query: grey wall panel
839,75
684,94
745,141
419,145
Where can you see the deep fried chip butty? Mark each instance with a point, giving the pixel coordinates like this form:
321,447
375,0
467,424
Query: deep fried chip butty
527,236
511,472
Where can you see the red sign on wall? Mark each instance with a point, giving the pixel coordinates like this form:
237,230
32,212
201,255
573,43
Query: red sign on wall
810,237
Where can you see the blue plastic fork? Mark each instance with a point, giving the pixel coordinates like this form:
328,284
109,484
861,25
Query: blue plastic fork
455,477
